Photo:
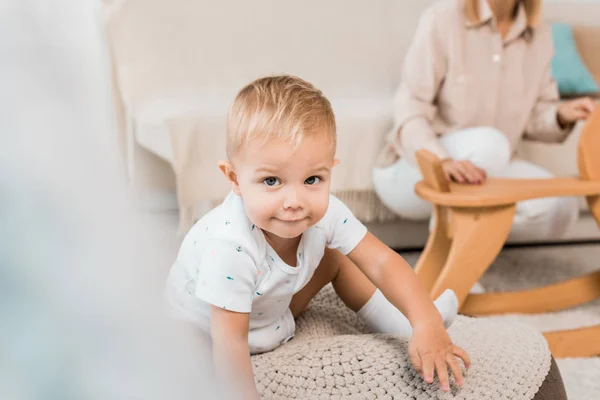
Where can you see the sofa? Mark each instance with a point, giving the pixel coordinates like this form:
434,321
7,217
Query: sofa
177,65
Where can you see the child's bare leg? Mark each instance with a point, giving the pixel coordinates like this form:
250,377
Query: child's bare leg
353,287
361,295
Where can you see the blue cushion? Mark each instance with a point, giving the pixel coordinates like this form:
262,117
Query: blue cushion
569,71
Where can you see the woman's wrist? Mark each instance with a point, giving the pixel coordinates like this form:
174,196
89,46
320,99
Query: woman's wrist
562,123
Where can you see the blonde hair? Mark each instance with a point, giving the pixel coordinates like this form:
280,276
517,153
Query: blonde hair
533,9
278,107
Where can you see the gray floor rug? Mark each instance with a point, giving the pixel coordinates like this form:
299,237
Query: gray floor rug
528,267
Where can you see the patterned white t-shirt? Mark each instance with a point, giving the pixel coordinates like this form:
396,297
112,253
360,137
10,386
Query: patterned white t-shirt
225,261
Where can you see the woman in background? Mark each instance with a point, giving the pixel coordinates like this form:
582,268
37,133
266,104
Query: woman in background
476,80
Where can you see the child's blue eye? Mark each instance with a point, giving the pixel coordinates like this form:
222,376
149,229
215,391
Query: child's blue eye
271,181
312,180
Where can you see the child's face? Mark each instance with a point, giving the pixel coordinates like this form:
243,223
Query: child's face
285,190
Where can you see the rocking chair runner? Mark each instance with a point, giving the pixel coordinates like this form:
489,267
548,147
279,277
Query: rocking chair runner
472,224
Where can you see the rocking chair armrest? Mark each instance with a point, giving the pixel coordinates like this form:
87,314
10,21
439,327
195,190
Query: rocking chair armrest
498,192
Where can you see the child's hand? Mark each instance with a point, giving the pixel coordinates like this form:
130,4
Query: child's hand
430,349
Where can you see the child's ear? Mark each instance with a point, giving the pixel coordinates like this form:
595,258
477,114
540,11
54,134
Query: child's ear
336,161
227,169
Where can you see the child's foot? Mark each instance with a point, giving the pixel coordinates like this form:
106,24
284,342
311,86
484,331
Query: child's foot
447,305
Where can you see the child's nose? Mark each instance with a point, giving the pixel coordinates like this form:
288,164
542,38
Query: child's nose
291,200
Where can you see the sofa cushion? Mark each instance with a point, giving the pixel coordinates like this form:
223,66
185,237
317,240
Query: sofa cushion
568,69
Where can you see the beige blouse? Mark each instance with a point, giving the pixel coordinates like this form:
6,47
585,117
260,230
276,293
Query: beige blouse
459,74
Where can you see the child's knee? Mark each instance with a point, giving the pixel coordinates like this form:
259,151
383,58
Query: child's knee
330,263
325,273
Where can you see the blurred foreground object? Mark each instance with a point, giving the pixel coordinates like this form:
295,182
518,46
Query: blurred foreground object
81,313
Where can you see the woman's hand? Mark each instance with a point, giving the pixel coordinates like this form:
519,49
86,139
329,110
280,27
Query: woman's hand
571,111
463,172
431,350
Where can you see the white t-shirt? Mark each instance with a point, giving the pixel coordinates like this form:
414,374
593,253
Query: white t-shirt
225,261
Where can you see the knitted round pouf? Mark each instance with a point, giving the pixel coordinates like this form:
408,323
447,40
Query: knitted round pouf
332,357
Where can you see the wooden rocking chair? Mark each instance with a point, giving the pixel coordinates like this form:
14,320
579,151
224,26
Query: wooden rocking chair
471,227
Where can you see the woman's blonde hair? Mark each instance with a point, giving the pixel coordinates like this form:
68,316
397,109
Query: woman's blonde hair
533,9
278,107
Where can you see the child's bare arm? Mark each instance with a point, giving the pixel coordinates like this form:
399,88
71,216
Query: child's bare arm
396,280
231,353
430,348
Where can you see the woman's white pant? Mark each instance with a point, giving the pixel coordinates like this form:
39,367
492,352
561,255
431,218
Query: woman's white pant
488,149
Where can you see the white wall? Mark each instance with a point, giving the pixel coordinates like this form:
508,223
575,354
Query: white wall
586,12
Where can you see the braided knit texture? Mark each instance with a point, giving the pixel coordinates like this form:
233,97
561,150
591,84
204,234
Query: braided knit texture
333,356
